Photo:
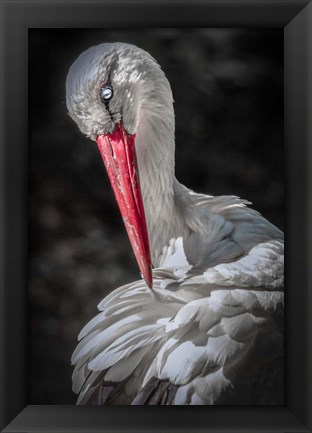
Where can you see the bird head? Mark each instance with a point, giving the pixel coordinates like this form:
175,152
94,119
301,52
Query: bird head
107,89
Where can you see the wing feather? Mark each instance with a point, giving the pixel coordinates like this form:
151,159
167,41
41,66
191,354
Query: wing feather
190,340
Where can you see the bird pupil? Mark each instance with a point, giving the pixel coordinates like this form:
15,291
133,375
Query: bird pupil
106,93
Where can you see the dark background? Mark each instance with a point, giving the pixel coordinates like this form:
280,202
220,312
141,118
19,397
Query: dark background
228,91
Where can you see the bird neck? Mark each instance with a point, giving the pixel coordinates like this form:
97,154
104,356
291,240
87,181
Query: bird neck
155,149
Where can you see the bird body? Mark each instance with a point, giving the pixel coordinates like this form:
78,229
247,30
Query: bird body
206,325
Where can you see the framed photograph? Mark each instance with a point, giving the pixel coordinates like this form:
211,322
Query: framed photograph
241,81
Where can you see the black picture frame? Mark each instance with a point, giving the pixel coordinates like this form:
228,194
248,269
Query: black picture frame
16,18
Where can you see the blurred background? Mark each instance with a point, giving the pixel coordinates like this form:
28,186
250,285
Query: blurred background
228,91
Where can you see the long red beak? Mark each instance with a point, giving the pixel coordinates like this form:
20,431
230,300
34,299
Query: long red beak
119,156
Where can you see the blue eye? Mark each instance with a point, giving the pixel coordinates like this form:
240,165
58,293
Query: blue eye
106,93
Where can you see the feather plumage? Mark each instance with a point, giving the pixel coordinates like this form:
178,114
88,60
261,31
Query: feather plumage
191,334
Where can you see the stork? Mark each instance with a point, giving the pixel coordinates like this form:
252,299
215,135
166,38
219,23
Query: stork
204,326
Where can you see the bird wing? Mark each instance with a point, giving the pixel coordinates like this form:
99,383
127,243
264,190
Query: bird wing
220,228
196,338
215,342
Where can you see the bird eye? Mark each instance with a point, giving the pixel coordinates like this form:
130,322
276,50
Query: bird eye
106,92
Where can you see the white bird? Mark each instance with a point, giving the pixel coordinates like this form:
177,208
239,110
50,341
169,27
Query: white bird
205,326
